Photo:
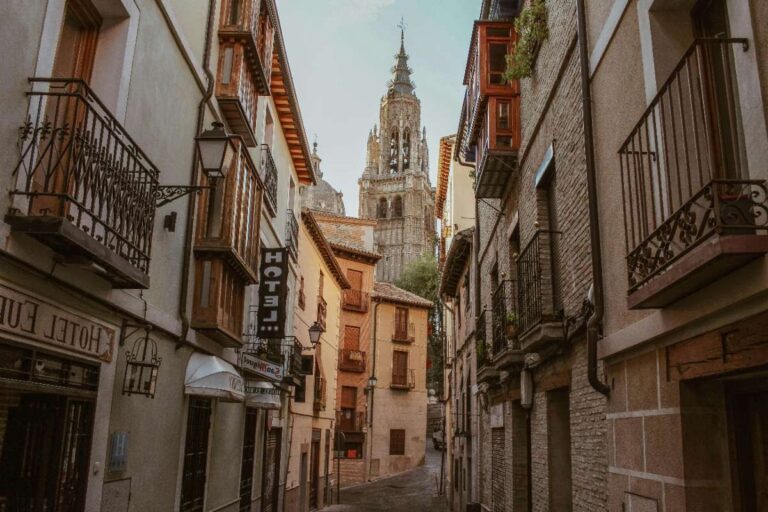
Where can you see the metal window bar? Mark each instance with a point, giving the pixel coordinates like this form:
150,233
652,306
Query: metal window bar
78,162
349,420
269,171
352,360
481,345
292,234
535,283
683,166
504,316
356,300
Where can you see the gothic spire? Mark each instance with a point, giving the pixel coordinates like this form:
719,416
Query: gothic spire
401,79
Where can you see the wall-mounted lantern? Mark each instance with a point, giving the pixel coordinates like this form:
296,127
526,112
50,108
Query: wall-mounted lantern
216,151
314,333
142,364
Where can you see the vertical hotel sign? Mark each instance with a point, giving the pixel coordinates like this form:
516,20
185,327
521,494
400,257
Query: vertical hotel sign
273,291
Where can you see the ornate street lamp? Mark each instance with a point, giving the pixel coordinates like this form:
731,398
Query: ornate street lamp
216,151
314,333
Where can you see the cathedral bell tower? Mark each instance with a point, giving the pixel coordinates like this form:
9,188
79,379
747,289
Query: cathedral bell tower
395,187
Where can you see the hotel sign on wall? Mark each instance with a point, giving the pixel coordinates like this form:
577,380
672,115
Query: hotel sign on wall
30,317
273,291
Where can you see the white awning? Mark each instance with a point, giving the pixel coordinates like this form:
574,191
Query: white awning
261,394
212,376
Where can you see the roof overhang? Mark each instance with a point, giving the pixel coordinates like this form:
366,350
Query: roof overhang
325,249
456,262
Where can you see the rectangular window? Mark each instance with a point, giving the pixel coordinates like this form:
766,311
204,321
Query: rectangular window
397,442
497,62
351,337
300,394
401,323
195,455
559,427
399,368
348,397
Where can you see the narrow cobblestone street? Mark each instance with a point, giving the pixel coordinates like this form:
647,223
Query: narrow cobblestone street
409,491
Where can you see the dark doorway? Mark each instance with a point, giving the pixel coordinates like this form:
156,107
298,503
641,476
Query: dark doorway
45,452
271,473
314,471
748,414
249,451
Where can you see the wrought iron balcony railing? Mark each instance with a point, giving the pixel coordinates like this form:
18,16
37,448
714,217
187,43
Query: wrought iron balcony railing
504,317
404,333
352,360
403,379
83,186
269,171
481,344
683,166
355,300
248,21
349,420
269,349
292,234
536,293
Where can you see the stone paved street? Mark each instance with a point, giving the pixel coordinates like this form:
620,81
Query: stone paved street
413,490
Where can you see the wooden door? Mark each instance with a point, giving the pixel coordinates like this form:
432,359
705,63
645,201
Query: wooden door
195,455
401,323
76,49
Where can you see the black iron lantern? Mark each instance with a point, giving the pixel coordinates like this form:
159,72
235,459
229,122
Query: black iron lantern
141,369
216,151
314,333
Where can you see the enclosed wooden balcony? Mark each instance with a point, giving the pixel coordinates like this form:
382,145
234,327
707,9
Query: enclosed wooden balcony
539,322
82,186
490,128
351,360
226,250
237,90
691,212
248,22
229,217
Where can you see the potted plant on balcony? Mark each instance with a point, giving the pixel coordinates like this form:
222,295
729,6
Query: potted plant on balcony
532,30
511,325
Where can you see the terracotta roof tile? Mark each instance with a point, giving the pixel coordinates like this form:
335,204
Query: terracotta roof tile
388,292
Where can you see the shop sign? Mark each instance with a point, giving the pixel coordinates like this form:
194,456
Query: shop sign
33,318
260,367
273,291
262,394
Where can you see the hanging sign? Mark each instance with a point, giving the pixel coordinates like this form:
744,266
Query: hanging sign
251,363
273,291
27,316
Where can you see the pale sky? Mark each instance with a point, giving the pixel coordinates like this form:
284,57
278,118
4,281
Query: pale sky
341,52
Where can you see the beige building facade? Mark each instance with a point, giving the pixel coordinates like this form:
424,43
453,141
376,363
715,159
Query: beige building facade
137,331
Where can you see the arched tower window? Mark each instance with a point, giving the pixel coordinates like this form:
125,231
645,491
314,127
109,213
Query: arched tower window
397,207
394,142
382,211
407,148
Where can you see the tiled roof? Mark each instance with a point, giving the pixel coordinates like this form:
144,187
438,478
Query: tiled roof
387,292
444,167
455,261
325,249
342,250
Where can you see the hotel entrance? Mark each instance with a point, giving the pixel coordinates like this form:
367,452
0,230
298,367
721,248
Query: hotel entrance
46,420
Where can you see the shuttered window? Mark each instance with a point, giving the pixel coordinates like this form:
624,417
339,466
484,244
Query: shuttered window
397,442
401,323
351,337
348,397
355,278
400,368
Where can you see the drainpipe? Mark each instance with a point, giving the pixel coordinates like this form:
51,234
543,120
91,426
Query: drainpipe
370,392
188,234
595,320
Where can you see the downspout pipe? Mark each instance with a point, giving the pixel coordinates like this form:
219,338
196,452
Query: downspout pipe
194,180
372,389
595,320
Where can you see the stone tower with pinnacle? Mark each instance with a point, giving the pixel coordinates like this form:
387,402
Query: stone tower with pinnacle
395,188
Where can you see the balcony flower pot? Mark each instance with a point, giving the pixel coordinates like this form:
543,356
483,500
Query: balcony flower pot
510,327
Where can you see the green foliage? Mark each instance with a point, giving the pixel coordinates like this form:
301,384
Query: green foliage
512,318
532,30
423,278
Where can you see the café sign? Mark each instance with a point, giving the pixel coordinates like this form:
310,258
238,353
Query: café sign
27,316
260,367
273,291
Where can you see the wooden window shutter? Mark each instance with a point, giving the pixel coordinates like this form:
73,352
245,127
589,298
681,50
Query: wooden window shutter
399,367
355,278
397,442
348,397
351,337
401,320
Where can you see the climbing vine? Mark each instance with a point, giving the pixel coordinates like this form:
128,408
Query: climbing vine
532,30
